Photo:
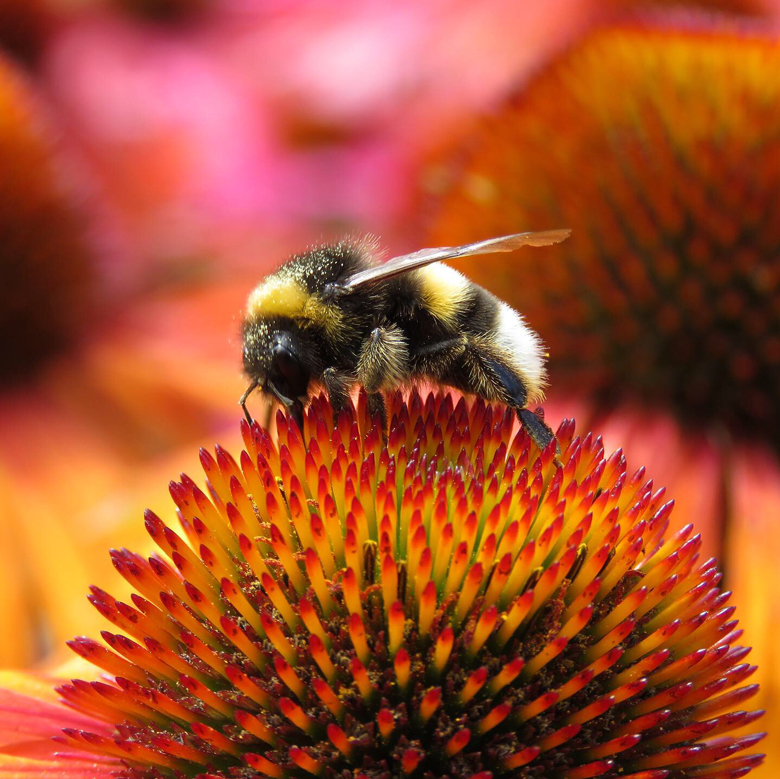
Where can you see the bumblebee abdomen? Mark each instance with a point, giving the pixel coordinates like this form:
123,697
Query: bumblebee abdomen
523,348
444,293
504,332
458,314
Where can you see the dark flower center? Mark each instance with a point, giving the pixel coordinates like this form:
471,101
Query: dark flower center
46,267
669,288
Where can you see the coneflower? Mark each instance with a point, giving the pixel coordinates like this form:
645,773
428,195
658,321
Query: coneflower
659,145
668,290
88,337
450,603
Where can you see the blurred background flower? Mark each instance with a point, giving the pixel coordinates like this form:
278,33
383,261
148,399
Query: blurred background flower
157,156
659,147
88,345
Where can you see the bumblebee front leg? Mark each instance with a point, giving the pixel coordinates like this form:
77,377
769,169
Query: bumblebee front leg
296,412
337,383
242,401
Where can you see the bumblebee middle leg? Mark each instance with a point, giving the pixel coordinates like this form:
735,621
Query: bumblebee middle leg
383,363
384,359
434,359
376,406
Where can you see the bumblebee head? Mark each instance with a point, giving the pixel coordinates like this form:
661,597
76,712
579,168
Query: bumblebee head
279,358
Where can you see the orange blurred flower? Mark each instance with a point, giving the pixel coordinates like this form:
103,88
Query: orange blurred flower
453,603
86,348
165,11
660,148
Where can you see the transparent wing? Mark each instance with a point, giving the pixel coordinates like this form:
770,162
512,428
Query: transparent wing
407,262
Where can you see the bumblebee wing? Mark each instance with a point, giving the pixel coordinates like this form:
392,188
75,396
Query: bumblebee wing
408,262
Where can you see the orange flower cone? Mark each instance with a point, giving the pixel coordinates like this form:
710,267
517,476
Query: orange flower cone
453,603
659,148
668,286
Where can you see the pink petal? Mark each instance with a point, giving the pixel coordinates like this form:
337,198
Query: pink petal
30,716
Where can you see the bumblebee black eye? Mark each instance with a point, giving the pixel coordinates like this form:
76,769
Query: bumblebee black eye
287,363
290,369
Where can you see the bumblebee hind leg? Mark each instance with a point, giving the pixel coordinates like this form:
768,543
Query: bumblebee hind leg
517,396
472,368
540,432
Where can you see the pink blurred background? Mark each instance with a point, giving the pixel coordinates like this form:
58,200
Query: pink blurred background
193,144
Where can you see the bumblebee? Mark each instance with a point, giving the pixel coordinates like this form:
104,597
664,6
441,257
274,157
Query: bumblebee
334,317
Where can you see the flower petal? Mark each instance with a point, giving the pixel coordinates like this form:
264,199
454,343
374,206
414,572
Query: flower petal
752,547
30,714
70,766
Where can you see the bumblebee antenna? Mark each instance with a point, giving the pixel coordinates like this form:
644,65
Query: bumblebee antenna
283,399
242,401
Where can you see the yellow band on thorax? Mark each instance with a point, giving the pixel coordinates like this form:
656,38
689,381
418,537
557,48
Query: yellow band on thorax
287,297
277,297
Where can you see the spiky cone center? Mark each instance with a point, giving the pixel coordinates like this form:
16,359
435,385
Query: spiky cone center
668,288
453,603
